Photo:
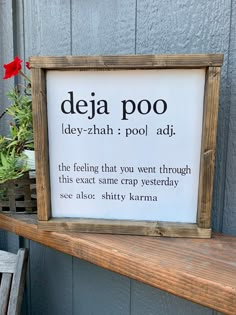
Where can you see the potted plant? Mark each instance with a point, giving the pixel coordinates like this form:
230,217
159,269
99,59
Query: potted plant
15,147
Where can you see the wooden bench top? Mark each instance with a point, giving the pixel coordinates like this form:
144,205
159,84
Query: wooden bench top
200,270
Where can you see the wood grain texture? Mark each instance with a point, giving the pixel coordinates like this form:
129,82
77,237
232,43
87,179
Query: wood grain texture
41,143
13,272
126,61
210,117
5,292
7,262
146,228
18,282
202,271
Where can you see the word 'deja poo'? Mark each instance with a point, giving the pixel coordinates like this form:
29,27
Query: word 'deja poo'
91,108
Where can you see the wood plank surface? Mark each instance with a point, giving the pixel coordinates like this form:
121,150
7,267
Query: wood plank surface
127,61
18,282
129,227
210,117
41,142
202,271
5,287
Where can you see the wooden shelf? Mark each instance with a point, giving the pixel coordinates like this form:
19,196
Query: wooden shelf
200,270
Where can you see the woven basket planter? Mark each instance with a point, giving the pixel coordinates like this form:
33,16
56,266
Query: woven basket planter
19,195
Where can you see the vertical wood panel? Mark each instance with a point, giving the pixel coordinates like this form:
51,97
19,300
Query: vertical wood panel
3,240
183,26
99,291
50,281
150,301
229,219
12,242
47,27
18,31
6,55
103,27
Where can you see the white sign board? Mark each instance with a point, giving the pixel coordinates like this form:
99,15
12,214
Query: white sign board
125,143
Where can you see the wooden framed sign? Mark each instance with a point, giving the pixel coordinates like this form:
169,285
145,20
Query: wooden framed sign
126,144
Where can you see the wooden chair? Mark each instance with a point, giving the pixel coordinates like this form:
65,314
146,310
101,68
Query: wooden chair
12,281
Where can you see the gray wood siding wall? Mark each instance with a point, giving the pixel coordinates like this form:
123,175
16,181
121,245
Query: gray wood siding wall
60,284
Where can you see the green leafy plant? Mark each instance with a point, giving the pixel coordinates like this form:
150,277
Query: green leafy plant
21,128
13,161
11,166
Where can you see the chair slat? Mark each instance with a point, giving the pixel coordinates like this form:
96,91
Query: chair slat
18,282
13,274
5,292
7,262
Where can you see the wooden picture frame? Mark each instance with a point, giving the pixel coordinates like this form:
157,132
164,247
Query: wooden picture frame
211,63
